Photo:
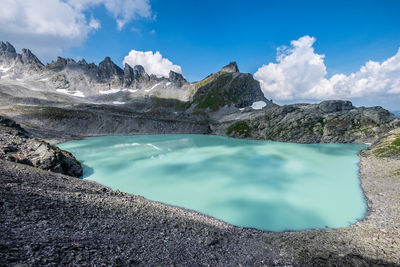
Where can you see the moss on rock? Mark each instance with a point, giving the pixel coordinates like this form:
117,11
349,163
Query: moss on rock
389,148
240,128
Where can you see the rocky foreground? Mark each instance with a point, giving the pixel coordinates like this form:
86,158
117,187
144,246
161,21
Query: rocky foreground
17,145
50,219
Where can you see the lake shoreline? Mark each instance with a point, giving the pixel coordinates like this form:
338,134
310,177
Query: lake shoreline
48,218
272,186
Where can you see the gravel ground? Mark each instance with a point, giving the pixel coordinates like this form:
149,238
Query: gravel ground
51,219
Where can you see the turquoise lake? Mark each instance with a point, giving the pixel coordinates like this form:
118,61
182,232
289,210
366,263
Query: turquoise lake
265,185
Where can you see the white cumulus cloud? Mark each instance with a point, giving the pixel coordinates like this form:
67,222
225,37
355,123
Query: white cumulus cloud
153,63
49,26
300,73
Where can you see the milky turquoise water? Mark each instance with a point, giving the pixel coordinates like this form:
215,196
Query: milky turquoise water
265,185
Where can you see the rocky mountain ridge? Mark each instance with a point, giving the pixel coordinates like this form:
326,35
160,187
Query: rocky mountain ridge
334,121
67,99
106,82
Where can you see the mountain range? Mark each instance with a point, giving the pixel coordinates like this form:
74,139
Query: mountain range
107,82
68,98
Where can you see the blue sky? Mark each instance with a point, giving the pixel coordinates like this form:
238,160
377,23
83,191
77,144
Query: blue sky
202,36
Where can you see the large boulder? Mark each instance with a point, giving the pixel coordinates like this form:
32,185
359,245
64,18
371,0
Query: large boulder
18,146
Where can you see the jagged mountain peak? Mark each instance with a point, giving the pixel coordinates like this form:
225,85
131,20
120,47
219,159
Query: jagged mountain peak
7,47
134,75
107,61
226,88
176,78
29,58
82,62
127,68
139,69
231,67
60,63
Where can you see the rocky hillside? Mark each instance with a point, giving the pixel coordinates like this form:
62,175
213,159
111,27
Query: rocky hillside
108,83
18,146
329,121
228,87
67,98
388,146
82,79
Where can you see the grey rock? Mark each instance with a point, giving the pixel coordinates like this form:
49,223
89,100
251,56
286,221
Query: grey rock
328,122
107,70
60,64
28,58
128,75
139,71
135,76
231,67
335,105
177,78
7,50
17,145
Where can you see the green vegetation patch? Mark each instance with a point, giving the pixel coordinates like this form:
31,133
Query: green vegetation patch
53,113
389,150
169,103
211,95
240,128
60,113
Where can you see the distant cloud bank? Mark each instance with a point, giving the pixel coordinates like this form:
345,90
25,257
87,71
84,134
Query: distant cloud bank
153,63
300,73
49,26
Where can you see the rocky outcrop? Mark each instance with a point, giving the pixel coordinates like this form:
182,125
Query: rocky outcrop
177,78
231,67
228,88
60,64
28,58
7,51
19,65
108,70
388,146
18,146
135,76
328,122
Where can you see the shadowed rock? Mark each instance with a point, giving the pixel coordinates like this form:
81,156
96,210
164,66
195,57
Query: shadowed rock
16,145
107,69
177,78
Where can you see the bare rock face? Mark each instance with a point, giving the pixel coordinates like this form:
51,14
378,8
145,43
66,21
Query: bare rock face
16,145
28,58
231,67
134,76
107,70
177,78
22,64
335,105
7,50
